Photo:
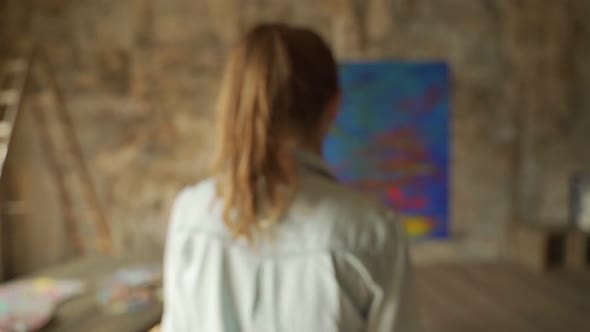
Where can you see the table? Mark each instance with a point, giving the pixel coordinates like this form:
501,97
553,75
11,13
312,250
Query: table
82,313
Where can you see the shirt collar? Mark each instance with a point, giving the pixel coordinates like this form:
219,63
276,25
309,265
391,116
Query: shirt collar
314,163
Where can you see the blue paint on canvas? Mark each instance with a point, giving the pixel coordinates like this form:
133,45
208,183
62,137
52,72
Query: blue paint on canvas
391,139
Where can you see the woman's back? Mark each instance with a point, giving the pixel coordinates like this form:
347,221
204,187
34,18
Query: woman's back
336,261
271,243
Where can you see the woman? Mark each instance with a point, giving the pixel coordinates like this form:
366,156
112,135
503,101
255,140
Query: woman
271,242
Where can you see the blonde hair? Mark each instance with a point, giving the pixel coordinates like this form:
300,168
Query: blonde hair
276,85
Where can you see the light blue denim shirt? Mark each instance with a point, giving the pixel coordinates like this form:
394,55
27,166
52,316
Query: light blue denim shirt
338,261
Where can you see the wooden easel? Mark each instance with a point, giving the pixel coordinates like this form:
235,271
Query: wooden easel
24,78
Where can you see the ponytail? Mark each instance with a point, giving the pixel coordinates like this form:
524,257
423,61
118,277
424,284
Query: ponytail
272,96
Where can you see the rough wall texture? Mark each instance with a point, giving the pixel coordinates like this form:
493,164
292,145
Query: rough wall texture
551,69
141,77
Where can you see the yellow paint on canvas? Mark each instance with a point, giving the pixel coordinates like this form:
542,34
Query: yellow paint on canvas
416,226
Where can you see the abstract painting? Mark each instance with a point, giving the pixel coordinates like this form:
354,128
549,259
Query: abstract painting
391,140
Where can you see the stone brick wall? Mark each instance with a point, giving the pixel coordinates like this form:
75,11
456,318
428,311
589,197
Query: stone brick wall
550,71
141,77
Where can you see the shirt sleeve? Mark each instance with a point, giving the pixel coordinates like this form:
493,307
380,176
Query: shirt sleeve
172,319
394,308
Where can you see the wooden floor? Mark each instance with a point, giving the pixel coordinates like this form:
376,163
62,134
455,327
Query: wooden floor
502,297
467,297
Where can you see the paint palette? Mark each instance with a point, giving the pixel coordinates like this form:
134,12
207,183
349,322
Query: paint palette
26,315
130,289
28,305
